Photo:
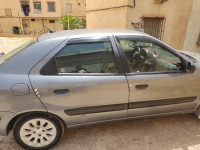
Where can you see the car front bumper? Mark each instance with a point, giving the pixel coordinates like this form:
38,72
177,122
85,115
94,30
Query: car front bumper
5,118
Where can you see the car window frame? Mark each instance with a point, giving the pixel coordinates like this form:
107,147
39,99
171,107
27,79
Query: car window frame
89,39
148,39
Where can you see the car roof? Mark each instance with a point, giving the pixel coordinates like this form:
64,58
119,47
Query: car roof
67,33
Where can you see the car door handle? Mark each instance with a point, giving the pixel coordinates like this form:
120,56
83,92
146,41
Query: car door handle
141,86
61,91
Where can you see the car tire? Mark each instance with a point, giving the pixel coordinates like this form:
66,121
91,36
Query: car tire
38,131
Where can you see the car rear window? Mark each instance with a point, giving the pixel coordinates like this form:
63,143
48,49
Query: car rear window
17,50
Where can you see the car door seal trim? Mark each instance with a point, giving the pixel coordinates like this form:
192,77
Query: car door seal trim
161,102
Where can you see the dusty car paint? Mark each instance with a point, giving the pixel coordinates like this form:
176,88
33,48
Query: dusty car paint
105,97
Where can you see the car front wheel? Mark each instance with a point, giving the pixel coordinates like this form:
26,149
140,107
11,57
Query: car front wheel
37,131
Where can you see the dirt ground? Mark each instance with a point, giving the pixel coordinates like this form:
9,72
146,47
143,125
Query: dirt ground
180,132
8,44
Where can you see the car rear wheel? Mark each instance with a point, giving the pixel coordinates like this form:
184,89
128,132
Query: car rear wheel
37,131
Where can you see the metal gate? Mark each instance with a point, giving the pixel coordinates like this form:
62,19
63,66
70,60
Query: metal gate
154,26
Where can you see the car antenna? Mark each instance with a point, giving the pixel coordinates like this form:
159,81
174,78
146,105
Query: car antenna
50,31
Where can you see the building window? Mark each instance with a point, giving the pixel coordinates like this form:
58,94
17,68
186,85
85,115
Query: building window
32,19
25,7
51,21
8,12
154,26
198,42
51,6
69,8
37,7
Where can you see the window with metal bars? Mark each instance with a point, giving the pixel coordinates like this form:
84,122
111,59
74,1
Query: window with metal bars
51,6
37,7
8,12
69,8
154,26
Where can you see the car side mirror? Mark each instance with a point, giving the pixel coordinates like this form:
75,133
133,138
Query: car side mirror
190,68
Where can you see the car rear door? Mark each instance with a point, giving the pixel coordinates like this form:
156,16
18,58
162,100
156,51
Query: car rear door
82,81
157,79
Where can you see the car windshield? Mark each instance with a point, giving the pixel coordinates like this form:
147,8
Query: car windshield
15,51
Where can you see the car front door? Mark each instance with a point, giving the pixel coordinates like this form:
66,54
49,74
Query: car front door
158,82
82,81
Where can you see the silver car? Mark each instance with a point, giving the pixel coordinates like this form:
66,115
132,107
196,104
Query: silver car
80,77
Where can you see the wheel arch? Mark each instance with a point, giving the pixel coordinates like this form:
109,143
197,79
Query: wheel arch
14,119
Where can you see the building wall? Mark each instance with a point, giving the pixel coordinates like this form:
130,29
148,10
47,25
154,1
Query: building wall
6,25
102,4
107,19
35,27
114,17
177,14
193,29
16,8
45,12
14,5
77,10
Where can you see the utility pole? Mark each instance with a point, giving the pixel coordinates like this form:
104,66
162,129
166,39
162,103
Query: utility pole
20,21
68,18
43,25
68,22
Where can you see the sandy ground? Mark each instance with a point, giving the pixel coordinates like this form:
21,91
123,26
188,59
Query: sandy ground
8,44
178,132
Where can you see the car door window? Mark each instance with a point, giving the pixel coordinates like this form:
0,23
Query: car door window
86,57
146,56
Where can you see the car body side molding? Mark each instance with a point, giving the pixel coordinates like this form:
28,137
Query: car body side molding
161,102
118,107
95,109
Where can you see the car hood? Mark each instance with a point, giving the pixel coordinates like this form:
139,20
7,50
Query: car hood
192,54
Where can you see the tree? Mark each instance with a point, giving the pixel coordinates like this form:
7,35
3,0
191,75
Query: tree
74,22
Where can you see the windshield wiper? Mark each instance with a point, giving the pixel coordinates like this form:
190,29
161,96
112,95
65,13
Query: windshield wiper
1,54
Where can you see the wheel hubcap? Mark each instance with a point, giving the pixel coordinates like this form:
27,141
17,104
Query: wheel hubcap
38,132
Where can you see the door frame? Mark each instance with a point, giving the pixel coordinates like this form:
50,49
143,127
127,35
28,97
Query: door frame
161,102
69,115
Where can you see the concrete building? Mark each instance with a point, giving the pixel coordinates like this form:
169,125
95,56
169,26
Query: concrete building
28,16
176,22
74,8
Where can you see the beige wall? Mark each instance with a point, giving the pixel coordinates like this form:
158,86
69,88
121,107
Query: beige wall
109,18
16,7
6,25
102,4
77,10
193,29
13,4
36,28
45,12
176,12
